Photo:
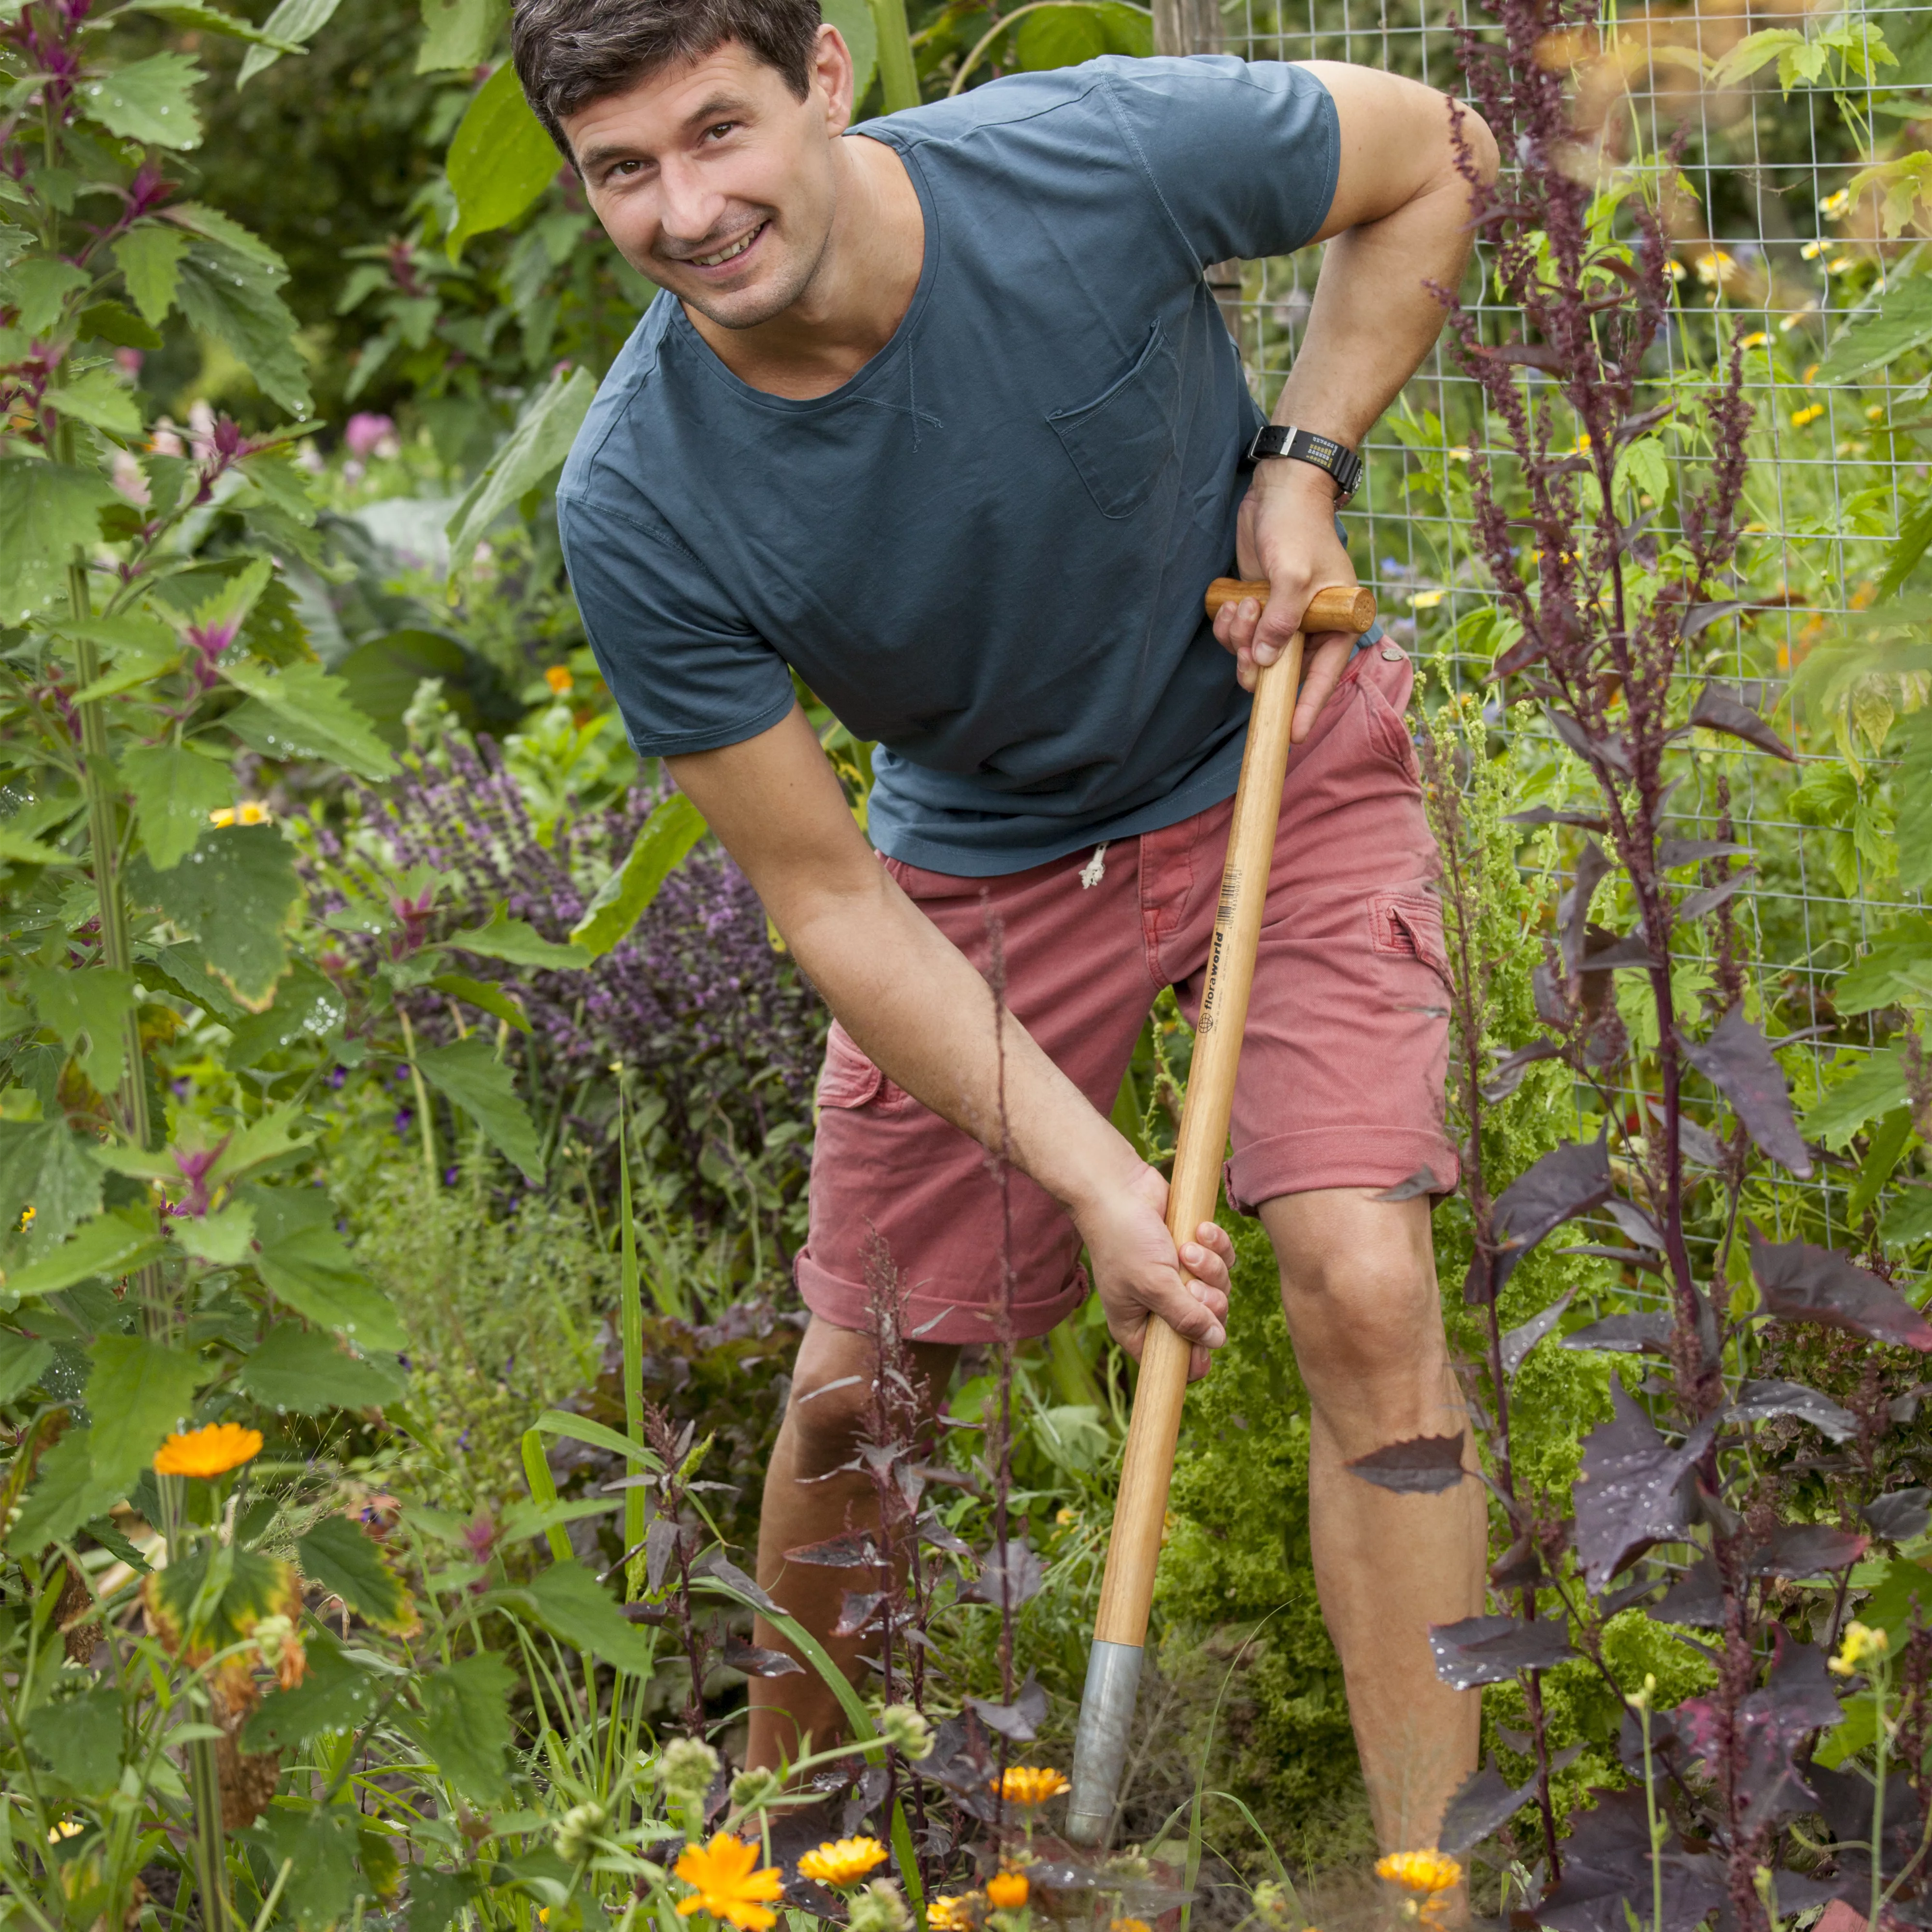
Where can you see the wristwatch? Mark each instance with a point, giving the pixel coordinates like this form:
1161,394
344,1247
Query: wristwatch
1305,446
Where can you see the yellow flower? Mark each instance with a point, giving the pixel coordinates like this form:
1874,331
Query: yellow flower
27,1214
953,1912
842,1861
1809,414
1029,1784
250,811
1065,1517
1460,453
1431,1872
1859,1646
723,1883
1838,265
558,677
67,1827
220,1447
1007,1890
1130,1925
1876,413
1756,340
1424,600
1676,271
1714,268
1812,250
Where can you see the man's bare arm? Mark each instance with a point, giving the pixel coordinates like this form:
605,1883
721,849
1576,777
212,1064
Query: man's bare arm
918,1008
1397,229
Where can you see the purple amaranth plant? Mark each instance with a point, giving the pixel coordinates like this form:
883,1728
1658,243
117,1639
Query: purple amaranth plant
1606,600
719,1025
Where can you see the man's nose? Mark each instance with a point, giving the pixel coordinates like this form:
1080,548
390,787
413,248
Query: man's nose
691,206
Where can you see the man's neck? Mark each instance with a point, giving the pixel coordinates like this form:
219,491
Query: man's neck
864,285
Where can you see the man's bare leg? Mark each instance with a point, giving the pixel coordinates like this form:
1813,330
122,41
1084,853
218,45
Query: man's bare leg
806,1502
1358,1286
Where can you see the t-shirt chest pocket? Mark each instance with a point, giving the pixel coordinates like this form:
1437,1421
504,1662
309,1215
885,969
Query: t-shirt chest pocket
1123,439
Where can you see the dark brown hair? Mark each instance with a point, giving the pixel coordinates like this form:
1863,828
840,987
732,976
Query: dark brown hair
570,52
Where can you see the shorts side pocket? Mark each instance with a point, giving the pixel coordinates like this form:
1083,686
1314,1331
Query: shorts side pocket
1409,925
849,1079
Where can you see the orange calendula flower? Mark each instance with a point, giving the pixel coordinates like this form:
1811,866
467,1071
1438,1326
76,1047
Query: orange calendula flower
1130,1925
1007,1890
212,1451
724,1882
841,1862
558,677
1431,1872
956,1912
1029,1784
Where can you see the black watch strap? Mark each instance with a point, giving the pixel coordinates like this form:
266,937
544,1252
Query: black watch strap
1305,446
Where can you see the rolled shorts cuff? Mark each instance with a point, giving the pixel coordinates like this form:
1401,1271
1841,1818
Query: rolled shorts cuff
931,1315
1299,1163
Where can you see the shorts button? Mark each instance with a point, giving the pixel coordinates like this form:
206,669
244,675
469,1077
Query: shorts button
1394,653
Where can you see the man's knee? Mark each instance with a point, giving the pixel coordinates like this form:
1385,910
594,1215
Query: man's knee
834,1407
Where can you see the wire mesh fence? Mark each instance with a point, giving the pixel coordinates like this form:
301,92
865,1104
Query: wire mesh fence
1773,245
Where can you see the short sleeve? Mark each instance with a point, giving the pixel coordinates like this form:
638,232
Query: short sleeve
1243,153
687,672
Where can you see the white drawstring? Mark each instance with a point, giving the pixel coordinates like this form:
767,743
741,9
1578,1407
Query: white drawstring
1095,869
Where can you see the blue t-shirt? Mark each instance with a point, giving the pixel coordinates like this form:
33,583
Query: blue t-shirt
987,550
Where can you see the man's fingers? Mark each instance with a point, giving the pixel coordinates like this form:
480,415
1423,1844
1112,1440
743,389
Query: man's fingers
1280,621
1189,1312
1328,658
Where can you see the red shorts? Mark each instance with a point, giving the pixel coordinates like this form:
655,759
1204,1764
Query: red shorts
1342,1065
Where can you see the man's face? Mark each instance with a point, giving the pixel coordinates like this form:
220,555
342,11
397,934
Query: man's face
716,180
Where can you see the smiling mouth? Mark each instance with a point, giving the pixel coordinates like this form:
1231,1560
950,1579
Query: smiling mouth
730,254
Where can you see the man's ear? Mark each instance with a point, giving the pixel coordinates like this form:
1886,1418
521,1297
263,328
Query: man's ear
832,74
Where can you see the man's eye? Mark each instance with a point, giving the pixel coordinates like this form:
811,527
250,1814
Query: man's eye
722,128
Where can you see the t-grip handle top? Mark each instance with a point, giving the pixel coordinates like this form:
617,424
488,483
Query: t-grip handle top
1342,607
1126,1590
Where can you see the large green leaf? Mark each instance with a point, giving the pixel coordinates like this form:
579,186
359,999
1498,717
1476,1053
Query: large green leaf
87,1006
98,396
305,1262
336,1694
22,1362
436,1898
295,21
464,1724
532,454
461,34
39,289
65,1495
671,830
110,1245
1874,1087
500,159
336,1554
318,1844
44,1167
150,100
305,1370
308,1006
1060,36
150,255
140,1391
45,510
238,893
176,791
80,1738
232,295
301,712
571,1604
1902,322
519,942
479,1083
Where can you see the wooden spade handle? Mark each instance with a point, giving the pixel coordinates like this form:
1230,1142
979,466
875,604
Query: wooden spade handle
1127,1592
1342,607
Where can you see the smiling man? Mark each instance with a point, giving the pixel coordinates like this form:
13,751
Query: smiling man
938,414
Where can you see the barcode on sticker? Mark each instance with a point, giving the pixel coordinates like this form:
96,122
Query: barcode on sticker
1230,891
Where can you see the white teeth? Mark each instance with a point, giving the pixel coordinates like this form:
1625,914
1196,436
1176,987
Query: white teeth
726,254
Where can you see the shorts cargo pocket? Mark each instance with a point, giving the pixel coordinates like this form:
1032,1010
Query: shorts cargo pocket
1122,440
849,1079
1409,926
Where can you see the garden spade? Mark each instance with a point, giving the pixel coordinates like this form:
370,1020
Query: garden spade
1120,1629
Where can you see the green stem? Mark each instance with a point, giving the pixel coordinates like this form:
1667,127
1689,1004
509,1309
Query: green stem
211,1850
422,1097
898,72
631,1313
1879,1684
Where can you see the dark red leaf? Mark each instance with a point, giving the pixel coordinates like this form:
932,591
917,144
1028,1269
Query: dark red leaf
1573,909
1719,709
717,1565
1548,815
1492,1650
1737,1060
1645,1333
1696,1598
1694,906
857,1612
1801,1283
1609,1876
1518,1342
1632,949
756,1662
1012,1575
1672,853
1525,355
1807,1549
854,1551
1701,616
1901,1515
1770,1725
1630,1493
1569,1181
1757,1401
1425,1466
1610,751
1483,1804
1019,1720
1510,1068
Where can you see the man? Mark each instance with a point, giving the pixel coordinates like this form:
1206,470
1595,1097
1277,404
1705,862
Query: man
939,414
